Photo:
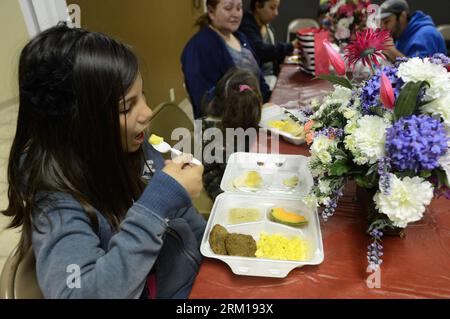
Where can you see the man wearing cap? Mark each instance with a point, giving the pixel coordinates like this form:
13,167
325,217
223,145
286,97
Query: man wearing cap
415,35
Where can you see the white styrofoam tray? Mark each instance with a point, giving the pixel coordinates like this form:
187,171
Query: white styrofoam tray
276,113
273,168
252,266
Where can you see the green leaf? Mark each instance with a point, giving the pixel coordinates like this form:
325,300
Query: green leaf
339,80
372,169
364,182
341,153
425,174
339,168
442,178
406,103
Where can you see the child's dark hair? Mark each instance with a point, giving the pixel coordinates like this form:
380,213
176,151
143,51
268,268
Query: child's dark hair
68,130
237,100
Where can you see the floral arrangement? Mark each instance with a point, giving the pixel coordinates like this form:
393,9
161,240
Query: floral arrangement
390,133
344,18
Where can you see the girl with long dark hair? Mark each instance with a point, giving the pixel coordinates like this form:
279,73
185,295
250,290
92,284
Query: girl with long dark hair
76,176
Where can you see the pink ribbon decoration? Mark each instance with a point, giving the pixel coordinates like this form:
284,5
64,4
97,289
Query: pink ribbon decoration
387,95
244,87
335,59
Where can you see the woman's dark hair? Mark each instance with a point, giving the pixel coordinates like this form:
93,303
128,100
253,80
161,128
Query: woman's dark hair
204,20
237,100
254,2
68,131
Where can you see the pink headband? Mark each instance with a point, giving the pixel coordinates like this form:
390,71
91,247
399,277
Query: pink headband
244,87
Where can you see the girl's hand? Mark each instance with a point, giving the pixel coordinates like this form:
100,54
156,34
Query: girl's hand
189,176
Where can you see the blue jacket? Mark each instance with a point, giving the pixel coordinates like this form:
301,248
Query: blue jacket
161,232
264,51
205,60
421,38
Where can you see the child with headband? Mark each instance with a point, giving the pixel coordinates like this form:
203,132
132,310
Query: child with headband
234,106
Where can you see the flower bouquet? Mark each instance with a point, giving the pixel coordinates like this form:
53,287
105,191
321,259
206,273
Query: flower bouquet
390,134
344,18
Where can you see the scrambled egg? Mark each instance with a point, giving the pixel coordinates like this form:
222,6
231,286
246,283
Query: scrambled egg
277,246
155,139
288,126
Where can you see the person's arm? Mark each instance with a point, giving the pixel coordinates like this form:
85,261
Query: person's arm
64,241
196,82
266,52
391,51
196,222
203,64
392,54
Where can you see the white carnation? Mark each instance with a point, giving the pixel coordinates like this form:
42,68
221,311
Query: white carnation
341,93
439,107
407,200
417,69
370,137
349,113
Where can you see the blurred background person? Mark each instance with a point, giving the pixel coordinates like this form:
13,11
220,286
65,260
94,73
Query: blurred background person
256,26
415,35
217,48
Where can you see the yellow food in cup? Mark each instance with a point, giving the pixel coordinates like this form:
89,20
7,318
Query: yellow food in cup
251,179
291,182
155,139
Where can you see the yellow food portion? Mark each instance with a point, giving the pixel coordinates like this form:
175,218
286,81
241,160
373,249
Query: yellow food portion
288,126
251,179
243,215
278,247
291,182
276,124
155,139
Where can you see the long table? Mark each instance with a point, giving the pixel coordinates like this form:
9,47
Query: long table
417,266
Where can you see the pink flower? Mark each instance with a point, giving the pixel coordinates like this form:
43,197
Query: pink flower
367,47
347,10
335,59
386,92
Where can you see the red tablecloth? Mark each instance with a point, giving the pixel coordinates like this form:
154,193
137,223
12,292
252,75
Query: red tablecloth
417,266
